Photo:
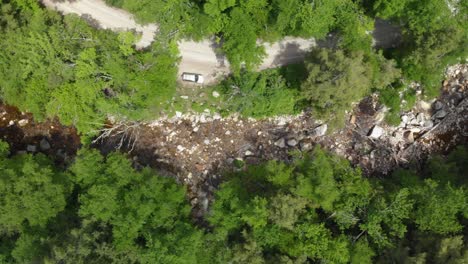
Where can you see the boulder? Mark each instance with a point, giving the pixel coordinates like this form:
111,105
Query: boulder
404,119
428,124
420,118
408,136
44,145
440,114
321,130
437,105
292,142
376,132
31,148
248,153
423,105
305,146
216,116
180,148
280,143
23,122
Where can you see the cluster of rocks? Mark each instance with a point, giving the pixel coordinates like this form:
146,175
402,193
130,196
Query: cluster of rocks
426,115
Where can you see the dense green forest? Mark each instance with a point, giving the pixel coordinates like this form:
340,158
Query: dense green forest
317,209
54,66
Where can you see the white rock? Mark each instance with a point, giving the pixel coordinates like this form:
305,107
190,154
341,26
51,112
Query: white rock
292,142
376,132
216,116
280,143
420,118
23,122
248,153
180,148
321,130
215,94
195,129
184,97
202,119
428,124
424,105
178,114
404,119
11,123
206,141
227,133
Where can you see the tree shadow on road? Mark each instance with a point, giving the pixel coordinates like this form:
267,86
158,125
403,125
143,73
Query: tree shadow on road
289,54
220,56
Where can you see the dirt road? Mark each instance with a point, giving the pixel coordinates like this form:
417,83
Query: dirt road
202,57
108,17
198,57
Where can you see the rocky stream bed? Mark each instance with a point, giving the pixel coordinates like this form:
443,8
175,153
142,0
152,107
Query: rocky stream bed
197,149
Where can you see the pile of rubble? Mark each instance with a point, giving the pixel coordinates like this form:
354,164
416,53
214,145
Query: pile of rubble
430,127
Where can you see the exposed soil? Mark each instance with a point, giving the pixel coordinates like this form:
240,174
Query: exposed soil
26,135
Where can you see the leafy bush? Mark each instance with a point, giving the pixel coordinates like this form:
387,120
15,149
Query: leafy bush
259,94
337,79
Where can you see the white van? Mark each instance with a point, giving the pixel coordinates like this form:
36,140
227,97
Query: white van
192,77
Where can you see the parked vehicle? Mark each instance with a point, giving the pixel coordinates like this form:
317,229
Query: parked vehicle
192,77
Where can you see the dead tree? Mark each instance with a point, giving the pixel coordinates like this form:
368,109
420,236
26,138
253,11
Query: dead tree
126,133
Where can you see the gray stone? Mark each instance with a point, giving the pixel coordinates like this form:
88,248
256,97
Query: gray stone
428,124
440,114
292,142
31,148
44,144
376,132
305,146
280,143
321,130
437,105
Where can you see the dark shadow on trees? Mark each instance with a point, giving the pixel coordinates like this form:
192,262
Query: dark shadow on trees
386,34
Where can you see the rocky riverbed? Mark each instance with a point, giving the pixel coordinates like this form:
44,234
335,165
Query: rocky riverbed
198,148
